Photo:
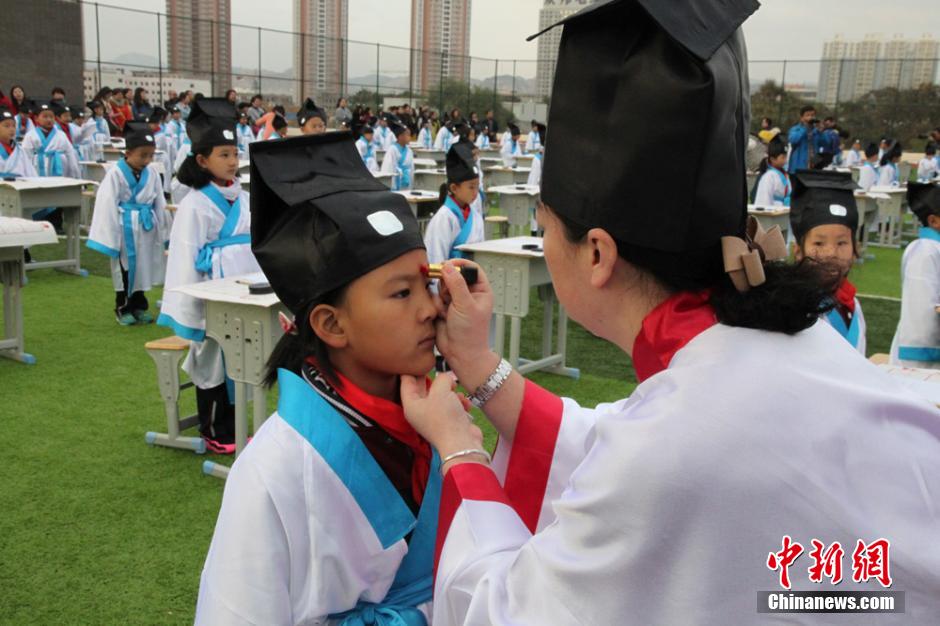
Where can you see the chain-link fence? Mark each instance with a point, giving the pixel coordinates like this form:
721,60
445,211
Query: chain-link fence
870,99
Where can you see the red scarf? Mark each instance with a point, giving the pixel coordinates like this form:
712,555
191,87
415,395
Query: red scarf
668,328
8,147
65,129
390,416
465,208
845,295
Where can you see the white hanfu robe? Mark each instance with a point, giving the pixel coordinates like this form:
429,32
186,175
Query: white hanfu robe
448,229
166,155
853,158
927,169
177,129
367,152
509,151
916,342
95,136
17,164
382,138
24,125
424,138
178,190
245,139
888,175
867,175
855,331
131,226
483,142
444,139
535,174
399,160
533,141
52,154
210,238
773,188
663,508
310,527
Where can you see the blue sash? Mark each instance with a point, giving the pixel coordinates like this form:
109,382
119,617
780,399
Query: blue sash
785,198
427,139
404,178
466,226
226,236
370,152
56,169
391,519
850,333
144,216
896,178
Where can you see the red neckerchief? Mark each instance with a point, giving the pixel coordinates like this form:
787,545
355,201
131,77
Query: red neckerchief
390,416
8,147
845,300
668,328
465,208
65,129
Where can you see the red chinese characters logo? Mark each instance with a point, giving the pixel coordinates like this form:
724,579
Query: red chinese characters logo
869,561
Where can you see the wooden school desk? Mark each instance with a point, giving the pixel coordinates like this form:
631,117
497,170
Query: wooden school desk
387,178
890,201
517,202
16,234
423,204
771,216
512,272
438,156
867,214
25,196
247,329
425,164
429,180
499,176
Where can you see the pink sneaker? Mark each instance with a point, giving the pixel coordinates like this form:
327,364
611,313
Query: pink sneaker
217,447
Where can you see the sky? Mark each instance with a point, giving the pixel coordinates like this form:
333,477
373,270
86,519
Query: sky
780,29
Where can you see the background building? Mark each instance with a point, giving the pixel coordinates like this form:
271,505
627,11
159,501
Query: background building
551,12
199,40
319,50
440,42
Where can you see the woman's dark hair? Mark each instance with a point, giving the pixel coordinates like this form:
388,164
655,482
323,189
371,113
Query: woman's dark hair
21,103
191,174
292,350
791,299
139,97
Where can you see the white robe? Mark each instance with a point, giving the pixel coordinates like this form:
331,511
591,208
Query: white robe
888,175
853,158
867,175
662,508
535,174
178,190
95,136
509,151
166,154
292,545
393,164
245,139
24,125
855,332
443,139
771,190
916,342
368,156
533,142
927,169
424,138
442,231
382,138
58,145
107,233
482,142
177,129
17,164
197,222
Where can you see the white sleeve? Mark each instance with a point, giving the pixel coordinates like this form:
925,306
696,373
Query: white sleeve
535,175
390,162
249,538
765,190
184,314
30,146
106,234
439,237
918,335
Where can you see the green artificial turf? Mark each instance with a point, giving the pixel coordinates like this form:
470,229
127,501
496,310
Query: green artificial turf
98,528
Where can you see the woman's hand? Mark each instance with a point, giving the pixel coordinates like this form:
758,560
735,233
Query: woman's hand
439,414
463,327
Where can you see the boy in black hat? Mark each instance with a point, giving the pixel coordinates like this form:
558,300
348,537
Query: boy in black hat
399,158
311,118
916,342
131,225
456,223
343,491
824,220
50,150
209,240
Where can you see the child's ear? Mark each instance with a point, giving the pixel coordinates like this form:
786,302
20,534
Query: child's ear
324,320
933,221
797,252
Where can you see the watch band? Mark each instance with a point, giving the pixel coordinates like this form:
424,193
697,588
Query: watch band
489,388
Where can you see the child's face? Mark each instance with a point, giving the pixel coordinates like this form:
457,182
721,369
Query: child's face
7,131
778,161
314,126
65,118
46,119
222,163
140,157
387,321
466,192
368,137
404,138
831,243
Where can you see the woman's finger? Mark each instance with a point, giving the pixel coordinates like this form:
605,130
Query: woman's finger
411,391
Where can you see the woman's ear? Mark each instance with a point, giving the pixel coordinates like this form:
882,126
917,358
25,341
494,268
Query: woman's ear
603,252
324,320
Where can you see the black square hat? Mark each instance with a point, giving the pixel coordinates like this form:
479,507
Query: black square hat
157,115
137,134
822,197
320,219
924,199
461,165
6,114
635,79
211,123
309,110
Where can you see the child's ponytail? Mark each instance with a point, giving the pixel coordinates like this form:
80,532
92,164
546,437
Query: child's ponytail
191,174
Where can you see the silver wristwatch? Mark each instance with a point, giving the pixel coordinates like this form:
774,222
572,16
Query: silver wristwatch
489,388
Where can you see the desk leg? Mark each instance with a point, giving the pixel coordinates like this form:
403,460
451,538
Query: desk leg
72,218
241,416
548,313
259,400
515,335
11,346
500,343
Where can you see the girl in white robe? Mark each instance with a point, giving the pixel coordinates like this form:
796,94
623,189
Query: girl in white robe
456,223
131,226
773,187
927,168
95,134
889,174
245,136
424,136
329,514
382,138
916,341
209,239
535,174
854,158
444,137
399,159
14,163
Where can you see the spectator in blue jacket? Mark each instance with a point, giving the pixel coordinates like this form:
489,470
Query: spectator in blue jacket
802,138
